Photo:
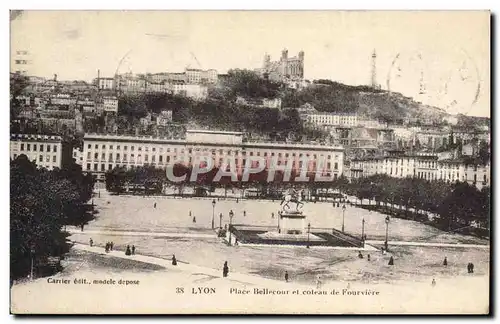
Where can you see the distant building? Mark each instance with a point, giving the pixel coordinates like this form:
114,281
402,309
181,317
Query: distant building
286,69
428,167
198,76
331,119
46,151
164,118
263,102
194,91
450,119
106,83
61,99
110,104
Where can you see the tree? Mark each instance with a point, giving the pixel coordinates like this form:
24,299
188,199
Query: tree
41,202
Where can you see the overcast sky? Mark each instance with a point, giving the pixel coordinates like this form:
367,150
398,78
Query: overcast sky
448,50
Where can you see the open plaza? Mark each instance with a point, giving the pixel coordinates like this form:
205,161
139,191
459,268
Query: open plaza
183,226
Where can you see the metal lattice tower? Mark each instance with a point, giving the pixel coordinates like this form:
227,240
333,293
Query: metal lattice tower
374,83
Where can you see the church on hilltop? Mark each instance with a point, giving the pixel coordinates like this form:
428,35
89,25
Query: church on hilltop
285,70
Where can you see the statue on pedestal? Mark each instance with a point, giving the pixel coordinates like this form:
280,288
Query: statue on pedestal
292,196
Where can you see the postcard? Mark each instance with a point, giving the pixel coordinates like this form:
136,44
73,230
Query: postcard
250,162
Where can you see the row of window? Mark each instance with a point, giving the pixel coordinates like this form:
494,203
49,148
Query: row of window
124,158
190,151
40,147
110,166
42,158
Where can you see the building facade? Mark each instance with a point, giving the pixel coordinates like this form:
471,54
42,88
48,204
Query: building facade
198,76
106,83
426,167
45,151
286,69
104,152
110,104
331,119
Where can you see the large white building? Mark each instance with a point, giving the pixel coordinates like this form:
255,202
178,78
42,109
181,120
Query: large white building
104,152
331,119
422,166
197,76
194,91
106,83
46,151
110,104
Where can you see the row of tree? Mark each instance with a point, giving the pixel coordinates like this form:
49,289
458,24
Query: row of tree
41,203
456,204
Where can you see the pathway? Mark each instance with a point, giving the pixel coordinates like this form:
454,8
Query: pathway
403,243
188,268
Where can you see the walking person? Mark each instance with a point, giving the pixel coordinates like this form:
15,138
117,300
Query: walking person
318,282
471,267
360,255
445,262
391,261
225,270
433,282
368,257
111,244
154,205
286,276
174,260
127,251
106,247
133,249
91,242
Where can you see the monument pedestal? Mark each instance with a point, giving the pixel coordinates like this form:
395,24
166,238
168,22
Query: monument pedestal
292,223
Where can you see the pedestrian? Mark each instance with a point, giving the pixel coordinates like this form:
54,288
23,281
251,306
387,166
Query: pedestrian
174,260
360,255
468,267
189,214
127,251
111,244
368,257
445,262
194,219
237,200
272,215
471,267
106,247
133,249
225,270
433,282
82,226
244,213
391,261
155,205
91,242
318,282
286,276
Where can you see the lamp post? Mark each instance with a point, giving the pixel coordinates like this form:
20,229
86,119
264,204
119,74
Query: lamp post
231,214
308,233
220,221
32,262
343,217
387,221
213,213
363,231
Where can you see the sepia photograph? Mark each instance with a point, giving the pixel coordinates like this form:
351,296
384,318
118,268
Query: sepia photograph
250,162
